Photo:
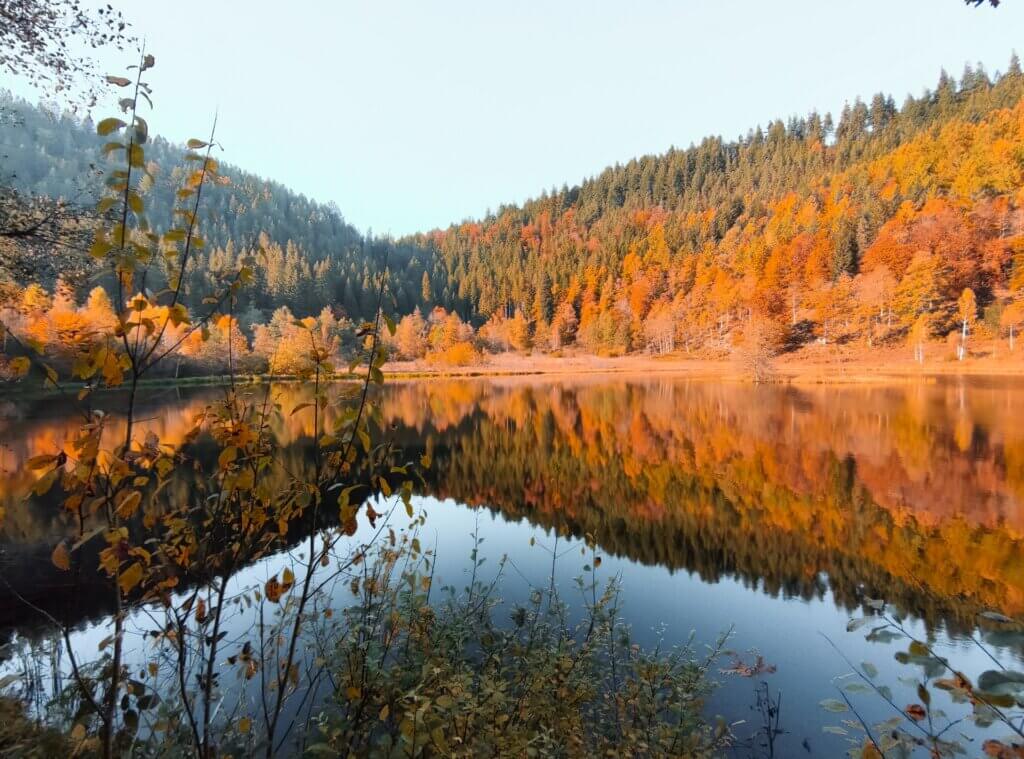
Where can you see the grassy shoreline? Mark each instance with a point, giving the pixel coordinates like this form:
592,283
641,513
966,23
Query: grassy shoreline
802,368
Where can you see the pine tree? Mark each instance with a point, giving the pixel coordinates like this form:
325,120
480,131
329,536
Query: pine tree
426,294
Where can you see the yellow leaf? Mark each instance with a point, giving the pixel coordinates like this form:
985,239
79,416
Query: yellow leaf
244,480
60,557
40,462
100,247
44,483
384,712
130,577
107,126
129,504
287,578
136,157
19,366
244,724
272,590
228,455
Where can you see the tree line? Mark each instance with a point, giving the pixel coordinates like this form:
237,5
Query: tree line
889,224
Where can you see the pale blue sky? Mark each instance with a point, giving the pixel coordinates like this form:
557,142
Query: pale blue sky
414,114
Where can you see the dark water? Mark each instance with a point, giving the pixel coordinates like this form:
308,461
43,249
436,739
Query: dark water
772,510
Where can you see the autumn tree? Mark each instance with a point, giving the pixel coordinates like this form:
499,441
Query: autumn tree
35,301
410,335
519,332
920,290
660,328
918,335
761,340
967,312
563,325
1012,319
833,308
426,293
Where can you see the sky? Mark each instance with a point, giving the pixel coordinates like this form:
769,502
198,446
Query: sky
411,115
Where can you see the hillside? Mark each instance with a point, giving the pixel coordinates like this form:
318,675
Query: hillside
313,257
853,229
887,223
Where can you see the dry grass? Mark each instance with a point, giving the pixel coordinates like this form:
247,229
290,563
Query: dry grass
813,364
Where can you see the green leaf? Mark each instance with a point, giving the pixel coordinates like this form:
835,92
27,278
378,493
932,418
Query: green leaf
833,705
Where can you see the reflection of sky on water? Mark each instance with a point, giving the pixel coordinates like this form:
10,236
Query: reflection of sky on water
666,605
658,604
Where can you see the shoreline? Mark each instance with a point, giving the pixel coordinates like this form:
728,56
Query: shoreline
793,369
840,368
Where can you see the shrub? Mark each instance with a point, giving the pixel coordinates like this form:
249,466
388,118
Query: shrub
416,679
459,354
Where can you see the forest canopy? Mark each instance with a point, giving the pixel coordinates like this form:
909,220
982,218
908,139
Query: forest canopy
885,224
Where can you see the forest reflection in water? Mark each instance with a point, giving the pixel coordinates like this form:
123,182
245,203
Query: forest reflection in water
776,509
908,492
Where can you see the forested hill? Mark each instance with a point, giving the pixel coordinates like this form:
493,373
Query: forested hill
314,257
865,226
885,213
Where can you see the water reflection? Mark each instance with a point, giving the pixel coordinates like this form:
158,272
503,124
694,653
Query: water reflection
910,492
772,508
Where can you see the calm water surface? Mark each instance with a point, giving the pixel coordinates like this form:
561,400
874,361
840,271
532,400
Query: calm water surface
773,510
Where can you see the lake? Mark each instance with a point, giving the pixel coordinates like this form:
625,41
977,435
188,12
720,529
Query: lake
776,511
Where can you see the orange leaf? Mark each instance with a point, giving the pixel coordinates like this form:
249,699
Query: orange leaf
60,556
916,712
